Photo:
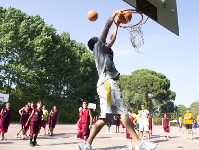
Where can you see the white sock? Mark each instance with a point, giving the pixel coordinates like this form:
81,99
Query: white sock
87,143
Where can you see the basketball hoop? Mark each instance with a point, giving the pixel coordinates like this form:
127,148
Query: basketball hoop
135,30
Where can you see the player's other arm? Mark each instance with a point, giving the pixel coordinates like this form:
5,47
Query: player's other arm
79,121
20,111
91,119
57,119
30,117
1,112
107,26
49,115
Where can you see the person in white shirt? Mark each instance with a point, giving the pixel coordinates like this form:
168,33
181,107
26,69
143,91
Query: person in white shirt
144,122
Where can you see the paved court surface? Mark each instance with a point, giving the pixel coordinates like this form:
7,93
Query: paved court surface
65,139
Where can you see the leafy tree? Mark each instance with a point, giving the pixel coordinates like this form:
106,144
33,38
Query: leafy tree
133,100
37,64
194,107
149,84
181,109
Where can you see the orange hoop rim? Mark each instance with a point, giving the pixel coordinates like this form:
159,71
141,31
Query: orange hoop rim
133,11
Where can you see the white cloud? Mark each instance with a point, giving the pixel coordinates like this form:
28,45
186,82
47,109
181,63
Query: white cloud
118,52
147,47
193,69
192,87
155,36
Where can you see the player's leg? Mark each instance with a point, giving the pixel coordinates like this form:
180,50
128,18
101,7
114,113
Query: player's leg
96,129
129,140
168,133
148,135
80,133
37,128
4,129
141,130
3,135
17,134
187,131
31,133
44,126
191,131
118,127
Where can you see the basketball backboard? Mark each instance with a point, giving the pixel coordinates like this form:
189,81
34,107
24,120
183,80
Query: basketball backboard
163,12
4,98
91,106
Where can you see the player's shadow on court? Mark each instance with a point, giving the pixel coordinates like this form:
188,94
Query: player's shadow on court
60,134
6,142
47,137
174,137
65,143
156,136
103,137
111,148
159,141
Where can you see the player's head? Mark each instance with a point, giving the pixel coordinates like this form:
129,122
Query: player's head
7,105
188,110
43,107
26,106
32,104
129,111
84,104
39,104
92,42
165,114
29,103
54,108
142,106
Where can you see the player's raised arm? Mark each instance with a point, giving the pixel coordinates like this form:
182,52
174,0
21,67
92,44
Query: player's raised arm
107,26
113,36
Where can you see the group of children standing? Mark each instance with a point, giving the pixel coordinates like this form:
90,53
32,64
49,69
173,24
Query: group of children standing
32,119
143,122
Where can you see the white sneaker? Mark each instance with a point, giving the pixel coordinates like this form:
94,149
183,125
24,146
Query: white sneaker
107,131
3,138
16,135
84,146
145,146
23,137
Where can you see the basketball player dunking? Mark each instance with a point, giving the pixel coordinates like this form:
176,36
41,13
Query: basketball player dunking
111,102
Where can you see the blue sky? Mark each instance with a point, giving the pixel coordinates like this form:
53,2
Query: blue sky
175,56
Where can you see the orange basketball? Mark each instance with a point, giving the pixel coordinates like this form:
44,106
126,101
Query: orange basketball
92,15
125,17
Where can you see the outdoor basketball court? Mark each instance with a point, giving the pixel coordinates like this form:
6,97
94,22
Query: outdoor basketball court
65,139
163,12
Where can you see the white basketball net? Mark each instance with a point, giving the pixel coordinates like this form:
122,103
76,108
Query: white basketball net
136,36
1,102
135,33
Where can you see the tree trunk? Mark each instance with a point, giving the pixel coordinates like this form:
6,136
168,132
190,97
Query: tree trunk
147,99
